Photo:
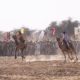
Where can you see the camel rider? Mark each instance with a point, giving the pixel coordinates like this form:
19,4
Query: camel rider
65,38
20,37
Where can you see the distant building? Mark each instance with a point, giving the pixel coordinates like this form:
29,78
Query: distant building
77,32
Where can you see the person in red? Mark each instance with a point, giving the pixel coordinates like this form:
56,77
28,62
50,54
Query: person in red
53,31
6,36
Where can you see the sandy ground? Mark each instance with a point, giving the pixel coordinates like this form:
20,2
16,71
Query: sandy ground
11,69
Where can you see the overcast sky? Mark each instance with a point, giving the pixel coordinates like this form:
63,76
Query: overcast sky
36,14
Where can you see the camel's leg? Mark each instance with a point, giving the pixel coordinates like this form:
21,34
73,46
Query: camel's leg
64,56
70,55
16,53
75,56
73,51
22,52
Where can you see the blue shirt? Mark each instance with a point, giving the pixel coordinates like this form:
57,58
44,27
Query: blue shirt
65,37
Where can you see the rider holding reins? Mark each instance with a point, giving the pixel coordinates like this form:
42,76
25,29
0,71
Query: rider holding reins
66,38
20,36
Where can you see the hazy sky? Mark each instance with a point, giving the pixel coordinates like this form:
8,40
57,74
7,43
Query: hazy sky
36,14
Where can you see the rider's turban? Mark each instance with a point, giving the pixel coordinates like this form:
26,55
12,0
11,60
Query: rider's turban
22,30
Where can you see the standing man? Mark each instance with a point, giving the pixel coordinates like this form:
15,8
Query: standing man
6,36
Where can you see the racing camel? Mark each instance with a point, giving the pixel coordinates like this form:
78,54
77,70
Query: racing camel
20,44
70,51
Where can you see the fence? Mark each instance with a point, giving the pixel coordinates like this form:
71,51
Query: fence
46,48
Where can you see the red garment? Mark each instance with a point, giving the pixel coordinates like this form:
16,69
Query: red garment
6,36
53,31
